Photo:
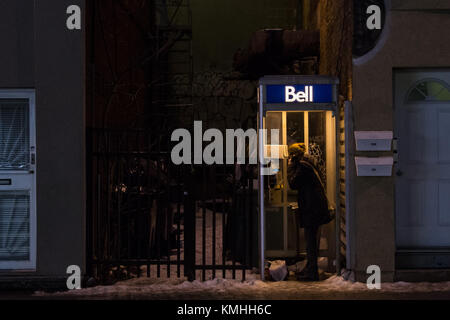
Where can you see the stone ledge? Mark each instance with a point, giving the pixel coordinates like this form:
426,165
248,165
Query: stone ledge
423,275
419,5
32,283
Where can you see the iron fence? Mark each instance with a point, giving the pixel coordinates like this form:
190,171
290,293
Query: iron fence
148,217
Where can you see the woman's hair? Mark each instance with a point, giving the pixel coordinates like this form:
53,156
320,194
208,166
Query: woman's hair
297,150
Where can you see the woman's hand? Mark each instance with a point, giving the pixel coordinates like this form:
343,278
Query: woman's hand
292,160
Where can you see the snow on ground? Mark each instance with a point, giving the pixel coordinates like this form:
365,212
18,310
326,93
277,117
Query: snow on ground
252,288
147,288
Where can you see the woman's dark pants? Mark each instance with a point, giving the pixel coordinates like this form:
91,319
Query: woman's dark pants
312,247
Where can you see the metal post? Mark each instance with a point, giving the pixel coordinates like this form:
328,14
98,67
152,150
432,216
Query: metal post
349,154
189,241
338,191
261,181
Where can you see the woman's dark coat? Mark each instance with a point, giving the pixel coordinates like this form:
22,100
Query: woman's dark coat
312,200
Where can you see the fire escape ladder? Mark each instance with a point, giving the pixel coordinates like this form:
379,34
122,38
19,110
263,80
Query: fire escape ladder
172,74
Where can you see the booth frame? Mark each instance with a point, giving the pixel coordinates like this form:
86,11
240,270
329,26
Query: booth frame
265,107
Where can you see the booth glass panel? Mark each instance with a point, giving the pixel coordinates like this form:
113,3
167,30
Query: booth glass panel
295,127
274,120
314,129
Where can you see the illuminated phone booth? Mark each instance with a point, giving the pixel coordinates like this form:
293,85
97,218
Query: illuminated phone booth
294,109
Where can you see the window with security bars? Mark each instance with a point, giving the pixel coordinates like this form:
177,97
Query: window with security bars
14,226
14,134
17,181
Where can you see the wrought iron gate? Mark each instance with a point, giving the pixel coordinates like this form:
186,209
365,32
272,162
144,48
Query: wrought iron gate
148,217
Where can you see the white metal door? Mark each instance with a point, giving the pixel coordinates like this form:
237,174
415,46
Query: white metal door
423,171
17,180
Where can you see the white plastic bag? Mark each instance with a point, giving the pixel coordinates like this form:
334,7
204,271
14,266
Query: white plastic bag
278,270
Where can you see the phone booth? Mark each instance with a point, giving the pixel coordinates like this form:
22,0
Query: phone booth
295,109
